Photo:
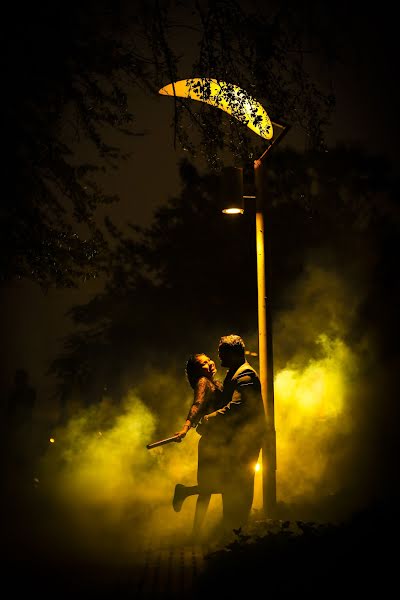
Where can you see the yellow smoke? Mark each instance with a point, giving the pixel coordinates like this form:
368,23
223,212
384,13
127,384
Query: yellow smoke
312,421
106,488
112,490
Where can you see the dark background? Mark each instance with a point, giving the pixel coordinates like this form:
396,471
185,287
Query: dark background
335,273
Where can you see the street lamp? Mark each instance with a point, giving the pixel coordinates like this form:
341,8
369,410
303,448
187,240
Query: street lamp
235,101
232,205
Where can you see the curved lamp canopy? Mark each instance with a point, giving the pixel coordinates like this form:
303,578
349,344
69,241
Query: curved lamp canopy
226,96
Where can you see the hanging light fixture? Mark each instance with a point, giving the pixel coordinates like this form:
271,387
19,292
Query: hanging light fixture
231,190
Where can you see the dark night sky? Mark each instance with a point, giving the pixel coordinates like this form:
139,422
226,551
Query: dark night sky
367,101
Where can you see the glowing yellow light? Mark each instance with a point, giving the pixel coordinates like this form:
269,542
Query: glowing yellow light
233,211
226,96
257,467
52,440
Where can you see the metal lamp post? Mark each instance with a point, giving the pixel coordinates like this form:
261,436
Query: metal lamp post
250,112
232,177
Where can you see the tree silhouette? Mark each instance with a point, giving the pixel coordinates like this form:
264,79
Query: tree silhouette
68,73
177,285
171,285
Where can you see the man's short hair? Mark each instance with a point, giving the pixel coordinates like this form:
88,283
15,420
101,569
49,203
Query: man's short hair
232,342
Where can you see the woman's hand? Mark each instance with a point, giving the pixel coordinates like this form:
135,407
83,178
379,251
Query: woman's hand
208,418
182,433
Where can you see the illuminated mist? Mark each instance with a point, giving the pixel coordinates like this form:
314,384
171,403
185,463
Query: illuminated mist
326,398
111,492
105,494
314,421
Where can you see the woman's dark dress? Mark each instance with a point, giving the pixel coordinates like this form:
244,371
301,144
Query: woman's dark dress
208,397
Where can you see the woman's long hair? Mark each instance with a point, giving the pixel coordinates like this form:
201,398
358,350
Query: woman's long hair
193,369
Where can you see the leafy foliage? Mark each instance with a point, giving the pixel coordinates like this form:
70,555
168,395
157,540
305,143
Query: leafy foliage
68,69
170,286
190,276
68,73
271,54
289,557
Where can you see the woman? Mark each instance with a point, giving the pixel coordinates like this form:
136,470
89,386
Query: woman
207,397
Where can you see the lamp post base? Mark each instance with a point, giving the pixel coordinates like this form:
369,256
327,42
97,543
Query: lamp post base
269,478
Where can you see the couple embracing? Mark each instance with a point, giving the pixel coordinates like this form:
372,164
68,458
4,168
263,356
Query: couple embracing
230,420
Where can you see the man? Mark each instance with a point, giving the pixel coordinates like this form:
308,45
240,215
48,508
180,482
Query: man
241,424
